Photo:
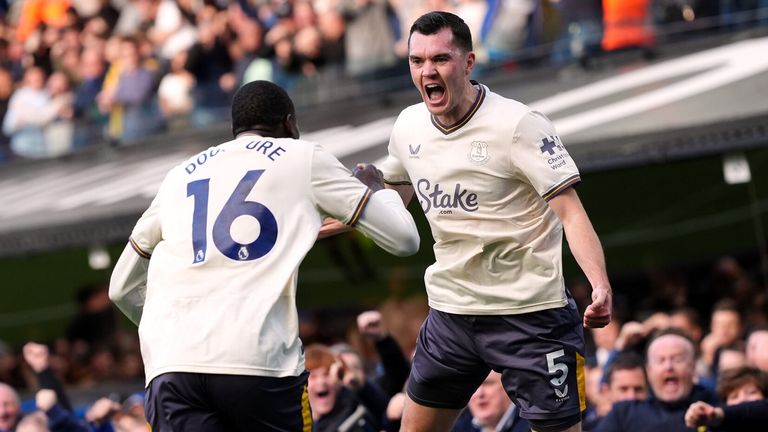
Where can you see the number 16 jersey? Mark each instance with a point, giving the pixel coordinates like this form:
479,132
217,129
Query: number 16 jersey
226,234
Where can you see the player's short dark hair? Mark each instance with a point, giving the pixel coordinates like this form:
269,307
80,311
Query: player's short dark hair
624,361
259,103
432,22
732,379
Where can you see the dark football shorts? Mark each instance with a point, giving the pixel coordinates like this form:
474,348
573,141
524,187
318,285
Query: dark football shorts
195,402
539,354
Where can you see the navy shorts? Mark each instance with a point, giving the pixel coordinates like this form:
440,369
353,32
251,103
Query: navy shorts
195,402
539,354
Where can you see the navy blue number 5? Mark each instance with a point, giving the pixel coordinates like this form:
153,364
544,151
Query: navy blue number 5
235,207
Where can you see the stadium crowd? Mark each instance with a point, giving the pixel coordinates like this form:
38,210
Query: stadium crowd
78,73
685,353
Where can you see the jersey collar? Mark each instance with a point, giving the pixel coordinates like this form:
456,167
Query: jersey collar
447,129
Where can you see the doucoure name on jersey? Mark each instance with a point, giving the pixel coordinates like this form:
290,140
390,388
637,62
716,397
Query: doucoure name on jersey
266,147
434,196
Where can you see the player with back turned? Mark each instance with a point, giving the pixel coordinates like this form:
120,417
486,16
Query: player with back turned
210,272
496,185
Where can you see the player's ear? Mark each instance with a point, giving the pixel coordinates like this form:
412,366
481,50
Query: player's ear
291,125
470,62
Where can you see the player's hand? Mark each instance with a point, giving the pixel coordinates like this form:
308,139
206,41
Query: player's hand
703,414
369,324
331,227
598,314
36,355
369,175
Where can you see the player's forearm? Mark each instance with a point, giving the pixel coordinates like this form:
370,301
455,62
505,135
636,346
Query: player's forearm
387,222
582,238
127,286
587,250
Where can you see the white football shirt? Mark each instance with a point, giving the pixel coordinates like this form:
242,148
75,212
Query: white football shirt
483,184
225,236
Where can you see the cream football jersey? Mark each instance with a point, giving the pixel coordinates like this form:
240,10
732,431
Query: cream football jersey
483,184
225,236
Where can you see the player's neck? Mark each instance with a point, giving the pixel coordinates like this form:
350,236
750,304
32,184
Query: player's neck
262,132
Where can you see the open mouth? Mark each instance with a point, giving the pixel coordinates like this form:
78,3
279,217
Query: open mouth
434,91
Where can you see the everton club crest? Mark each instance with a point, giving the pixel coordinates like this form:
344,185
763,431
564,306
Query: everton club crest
478,152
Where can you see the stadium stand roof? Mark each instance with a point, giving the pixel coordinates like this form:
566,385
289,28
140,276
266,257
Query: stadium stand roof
684,104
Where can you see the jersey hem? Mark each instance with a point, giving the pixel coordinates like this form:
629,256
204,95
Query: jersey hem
459,310
275,373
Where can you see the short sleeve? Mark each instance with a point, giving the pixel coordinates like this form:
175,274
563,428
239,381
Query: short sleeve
335,190
540,156
392,168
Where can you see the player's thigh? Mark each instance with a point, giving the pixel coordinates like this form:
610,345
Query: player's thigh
268,404
446,368
541,357
177,402
420,418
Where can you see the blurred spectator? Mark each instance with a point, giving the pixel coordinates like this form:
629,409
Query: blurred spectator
130,97
605,339
10,408
209,60
89,121
490,410
742,384
624,380
6,89
746,417
169,30
10,370
35,421
757,348
59,128
729,357
725,329
627,24
687,320
38,358
669,365
23,122
354,378
581,31
737,387
394,366
35,12
175,93
369,40
100,414
509,28
59,418
332,404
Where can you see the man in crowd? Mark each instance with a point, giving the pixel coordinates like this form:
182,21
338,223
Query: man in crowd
670,367
10,408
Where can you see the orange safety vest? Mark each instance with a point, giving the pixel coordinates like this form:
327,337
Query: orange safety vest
627,23
33,12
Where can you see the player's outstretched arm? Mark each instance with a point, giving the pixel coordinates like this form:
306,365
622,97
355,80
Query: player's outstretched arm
128,284
385,219
588,252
